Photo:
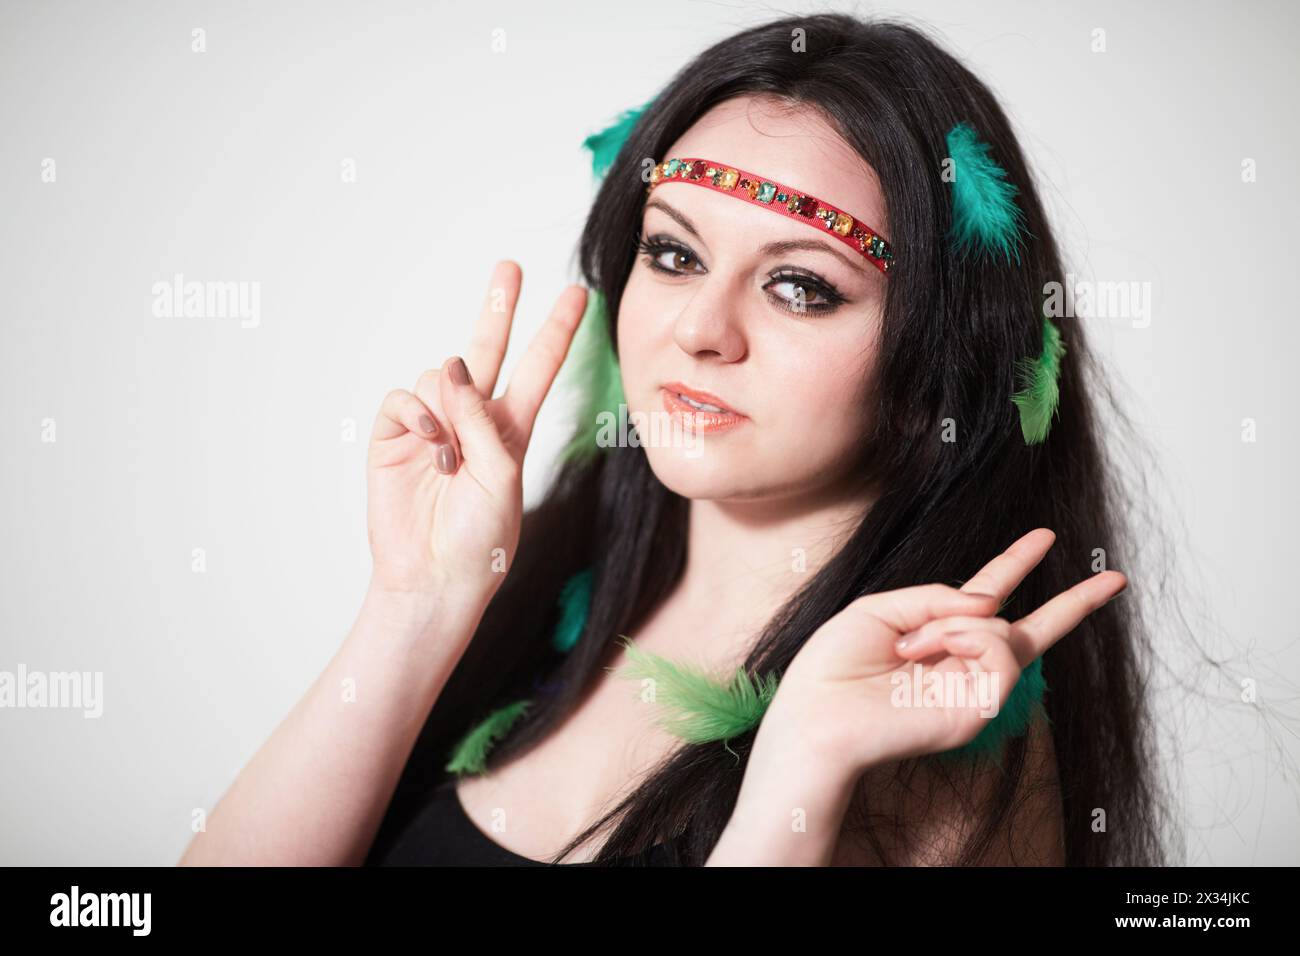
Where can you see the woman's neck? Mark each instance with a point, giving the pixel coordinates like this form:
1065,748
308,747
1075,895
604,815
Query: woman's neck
747,558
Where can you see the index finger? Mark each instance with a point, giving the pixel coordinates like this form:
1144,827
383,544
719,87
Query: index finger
491,335
536,371
1003,574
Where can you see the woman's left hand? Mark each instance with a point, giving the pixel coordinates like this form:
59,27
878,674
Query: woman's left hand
848,701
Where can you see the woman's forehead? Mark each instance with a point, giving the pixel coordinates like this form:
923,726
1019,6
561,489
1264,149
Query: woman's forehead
789,144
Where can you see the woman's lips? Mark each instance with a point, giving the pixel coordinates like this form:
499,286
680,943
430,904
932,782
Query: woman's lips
688,416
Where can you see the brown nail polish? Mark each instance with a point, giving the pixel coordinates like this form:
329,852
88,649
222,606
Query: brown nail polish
459,373
427,424
445,459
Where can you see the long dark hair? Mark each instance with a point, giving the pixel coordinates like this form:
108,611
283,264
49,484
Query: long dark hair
952,334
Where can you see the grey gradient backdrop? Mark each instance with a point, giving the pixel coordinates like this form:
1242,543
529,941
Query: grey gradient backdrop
176,434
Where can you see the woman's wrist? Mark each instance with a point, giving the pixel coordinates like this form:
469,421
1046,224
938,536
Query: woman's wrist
442,617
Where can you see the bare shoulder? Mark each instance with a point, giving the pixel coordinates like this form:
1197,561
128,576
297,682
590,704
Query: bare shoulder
923,819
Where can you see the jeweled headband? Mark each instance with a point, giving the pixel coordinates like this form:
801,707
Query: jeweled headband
779,198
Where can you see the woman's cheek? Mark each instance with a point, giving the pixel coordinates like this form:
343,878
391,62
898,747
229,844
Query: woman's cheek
632,358
822,410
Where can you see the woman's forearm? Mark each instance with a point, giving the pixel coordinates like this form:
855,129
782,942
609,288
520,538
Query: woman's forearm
316,791
791,806
791,821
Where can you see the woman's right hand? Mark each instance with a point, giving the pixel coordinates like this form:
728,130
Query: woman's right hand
444,494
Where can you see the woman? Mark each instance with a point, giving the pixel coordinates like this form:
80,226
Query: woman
865,496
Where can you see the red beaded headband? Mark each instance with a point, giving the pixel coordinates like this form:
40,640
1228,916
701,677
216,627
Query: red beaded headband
791,202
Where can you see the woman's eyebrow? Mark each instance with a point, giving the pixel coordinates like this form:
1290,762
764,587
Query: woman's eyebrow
810,245
771,249
681,220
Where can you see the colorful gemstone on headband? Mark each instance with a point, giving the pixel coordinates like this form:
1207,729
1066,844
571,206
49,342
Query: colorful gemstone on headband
843,223
802,206
697,169
780,197
725,178
766,192
671,167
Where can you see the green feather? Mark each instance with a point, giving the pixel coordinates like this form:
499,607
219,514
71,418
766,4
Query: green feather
575,598
701,708
470,755
1039,394
606,143
593,369
984,210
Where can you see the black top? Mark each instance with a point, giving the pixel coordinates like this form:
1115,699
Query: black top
442,834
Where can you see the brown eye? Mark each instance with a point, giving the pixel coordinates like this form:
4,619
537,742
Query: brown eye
795,291
668,257
680,260
803,294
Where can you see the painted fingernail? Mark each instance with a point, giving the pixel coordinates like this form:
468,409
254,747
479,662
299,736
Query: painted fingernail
459,373
445,459
427,424
964,644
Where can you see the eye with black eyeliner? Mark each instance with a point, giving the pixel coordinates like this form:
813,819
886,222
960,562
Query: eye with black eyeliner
811,285
654,247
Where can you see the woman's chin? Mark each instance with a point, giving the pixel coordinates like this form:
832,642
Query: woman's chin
713,474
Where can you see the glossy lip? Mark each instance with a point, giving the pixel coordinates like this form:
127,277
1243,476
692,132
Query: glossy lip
699,396
688,417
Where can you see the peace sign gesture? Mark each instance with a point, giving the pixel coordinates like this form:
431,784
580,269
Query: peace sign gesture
849,694
445,461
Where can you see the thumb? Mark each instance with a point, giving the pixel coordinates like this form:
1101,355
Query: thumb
476,432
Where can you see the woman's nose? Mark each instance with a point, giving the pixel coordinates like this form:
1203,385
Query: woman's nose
711,324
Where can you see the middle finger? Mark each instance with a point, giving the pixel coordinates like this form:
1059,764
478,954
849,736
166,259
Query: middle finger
1034,633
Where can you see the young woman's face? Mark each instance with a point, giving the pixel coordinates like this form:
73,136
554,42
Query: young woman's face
787,337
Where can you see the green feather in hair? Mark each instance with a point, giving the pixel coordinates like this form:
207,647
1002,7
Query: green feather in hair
984,210
605,144
1039,392
575,598
701,708
593,368
470,755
